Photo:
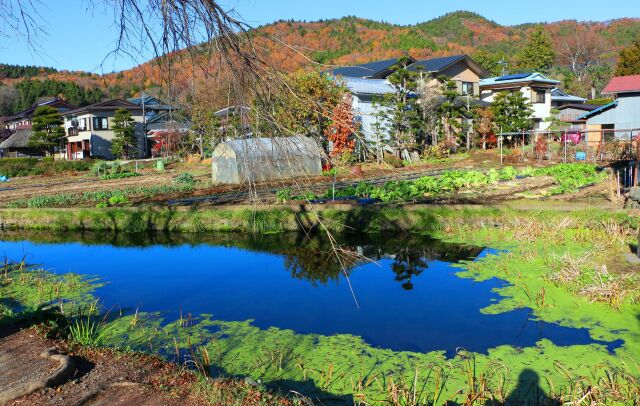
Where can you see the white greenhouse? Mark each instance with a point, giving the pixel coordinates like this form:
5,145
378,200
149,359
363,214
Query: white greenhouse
265,159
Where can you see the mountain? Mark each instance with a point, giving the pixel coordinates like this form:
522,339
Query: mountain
352,40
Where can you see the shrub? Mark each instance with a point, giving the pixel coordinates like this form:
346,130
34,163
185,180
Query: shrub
393,161
184,178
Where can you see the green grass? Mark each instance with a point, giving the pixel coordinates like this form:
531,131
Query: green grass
16,167
92,198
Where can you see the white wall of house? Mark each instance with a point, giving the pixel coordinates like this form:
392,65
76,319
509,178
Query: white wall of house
541,111
100,139
368,113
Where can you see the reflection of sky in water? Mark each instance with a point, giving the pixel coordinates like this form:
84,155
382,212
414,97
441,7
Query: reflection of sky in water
406,302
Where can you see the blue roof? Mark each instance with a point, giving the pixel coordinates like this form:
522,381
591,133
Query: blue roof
598,110
511,77
519,78
368,86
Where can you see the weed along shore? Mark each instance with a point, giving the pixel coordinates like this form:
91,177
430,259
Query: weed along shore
298,217
461,302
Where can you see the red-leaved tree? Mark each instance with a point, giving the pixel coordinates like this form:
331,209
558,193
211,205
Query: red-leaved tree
342,130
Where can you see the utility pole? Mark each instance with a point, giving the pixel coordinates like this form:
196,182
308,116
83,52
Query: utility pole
144,124
504,64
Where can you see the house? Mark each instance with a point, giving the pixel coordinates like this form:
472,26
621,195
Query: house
560,98
17,145
22,119
535,87
619,119
89,129
368,83
572,114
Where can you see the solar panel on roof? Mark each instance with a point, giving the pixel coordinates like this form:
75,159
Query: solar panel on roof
513,77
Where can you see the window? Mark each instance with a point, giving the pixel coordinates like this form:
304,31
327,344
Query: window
100,123
541,96
467,88
82,124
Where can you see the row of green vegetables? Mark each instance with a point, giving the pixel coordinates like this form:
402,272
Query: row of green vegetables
568,178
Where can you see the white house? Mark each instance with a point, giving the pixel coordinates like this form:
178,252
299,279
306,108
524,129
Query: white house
535,87
89,129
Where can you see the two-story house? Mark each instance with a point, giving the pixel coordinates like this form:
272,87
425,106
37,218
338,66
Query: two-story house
535,87
368,83
90,133
22,119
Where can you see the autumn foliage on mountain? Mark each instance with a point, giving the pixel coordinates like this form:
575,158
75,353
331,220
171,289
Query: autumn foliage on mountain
295,45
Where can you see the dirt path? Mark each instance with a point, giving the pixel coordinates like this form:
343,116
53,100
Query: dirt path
93,378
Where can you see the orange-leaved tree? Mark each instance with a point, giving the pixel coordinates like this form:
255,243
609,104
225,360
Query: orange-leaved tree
342,130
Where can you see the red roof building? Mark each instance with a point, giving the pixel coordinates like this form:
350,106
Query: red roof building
623,84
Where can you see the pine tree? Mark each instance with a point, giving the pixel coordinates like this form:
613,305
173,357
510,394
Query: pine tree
629,62
451,111
512,112
124,144
539,54
47,129
402,109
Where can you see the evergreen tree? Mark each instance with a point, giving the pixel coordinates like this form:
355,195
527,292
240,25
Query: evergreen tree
451,111
538,55
629,62
489,62
512,112
47,130
401,107
124,144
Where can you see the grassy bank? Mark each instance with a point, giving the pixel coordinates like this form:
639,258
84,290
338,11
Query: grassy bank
270,219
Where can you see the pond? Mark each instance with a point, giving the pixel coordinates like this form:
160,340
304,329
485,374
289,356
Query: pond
406,297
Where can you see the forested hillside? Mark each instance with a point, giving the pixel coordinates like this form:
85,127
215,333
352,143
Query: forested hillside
294,45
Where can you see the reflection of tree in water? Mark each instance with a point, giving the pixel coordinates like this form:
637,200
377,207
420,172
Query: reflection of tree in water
313,263
312,258
407,264
307,256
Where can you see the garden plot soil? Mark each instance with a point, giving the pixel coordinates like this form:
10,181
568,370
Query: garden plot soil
25,188
100,377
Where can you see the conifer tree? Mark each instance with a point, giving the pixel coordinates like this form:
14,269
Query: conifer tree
539,54
124,144
629,62
47,130
512,112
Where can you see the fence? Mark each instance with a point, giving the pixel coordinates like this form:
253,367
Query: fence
618,148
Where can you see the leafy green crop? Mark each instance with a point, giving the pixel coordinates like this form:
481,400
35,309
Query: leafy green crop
572,176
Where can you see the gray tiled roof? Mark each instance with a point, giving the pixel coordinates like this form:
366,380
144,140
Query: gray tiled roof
368,86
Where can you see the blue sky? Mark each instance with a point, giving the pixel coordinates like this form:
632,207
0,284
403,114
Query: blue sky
79,38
